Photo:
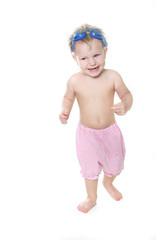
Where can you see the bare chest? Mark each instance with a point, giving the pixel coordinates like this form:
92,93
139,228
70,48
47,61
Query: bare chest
94,90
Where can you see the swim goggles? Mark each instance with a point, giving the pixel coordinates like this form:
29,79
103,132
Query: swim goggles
93,33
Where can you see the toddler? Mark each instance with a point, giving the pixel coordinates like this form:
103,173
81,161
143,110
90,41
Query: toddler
99,141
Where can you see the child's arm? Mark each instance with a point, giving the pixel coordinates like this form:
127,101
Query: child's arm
125,96
67,102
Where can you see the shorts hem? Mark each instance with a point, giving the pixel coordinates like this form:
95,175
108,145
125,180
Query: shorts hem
111,175
90,177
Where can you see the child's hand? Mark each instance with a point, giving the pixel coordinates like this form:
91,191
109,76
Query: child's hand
63,117
120,108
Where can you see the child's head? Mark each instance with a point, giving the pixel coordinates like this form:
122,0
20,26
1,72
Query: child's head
86,33
89,49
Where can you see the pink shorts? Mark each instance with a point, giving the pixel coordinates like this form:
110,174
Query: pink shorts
100,149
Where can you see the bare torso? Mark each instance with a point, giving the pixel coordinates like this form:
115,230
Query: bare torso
95,97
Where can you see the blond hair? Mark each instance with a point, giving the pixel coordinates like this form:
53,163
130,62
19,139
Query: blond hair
87,38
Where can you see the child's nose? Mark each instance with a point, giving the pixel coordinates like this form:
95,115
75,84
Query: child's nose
92,62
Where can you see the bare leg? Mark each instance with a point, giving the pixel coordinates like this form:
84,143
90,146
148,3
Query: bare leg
107,182
91,187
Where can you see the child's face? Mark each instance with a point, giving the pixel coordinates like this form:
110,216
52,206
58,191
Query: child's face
90,58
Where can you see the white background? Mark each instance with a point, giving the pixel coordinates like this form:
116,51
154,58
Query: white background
40,182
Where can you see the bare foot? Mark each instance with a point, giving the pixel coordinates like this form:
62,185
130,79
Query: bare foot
86,205
115,194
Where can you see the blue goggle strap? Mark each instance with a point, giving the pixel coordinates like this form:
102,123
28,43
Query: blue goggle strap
97,34
80,35
99,38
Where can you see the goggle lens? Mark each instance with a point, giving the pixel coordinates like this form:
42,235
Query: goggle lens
93,33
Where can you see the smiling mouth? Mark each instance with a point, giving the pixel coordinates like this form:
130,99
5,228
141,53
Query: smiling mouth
93,69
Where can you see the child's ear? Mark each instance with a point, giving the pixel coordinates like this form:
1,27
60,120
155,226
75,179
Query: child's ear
74,57
105,50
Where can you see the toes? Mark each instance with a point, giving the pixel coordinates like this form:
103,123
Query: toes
86,206
115,194
82,209
118,197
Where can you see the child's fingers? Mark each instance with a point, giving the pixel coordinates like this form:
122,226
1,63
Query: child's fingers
64,120
116,106
117,109
119,112
64,116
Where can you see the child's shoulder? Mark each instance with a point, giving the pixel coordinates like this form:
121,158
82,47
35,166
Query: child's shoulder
73,79
75,75
71,83
112,73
